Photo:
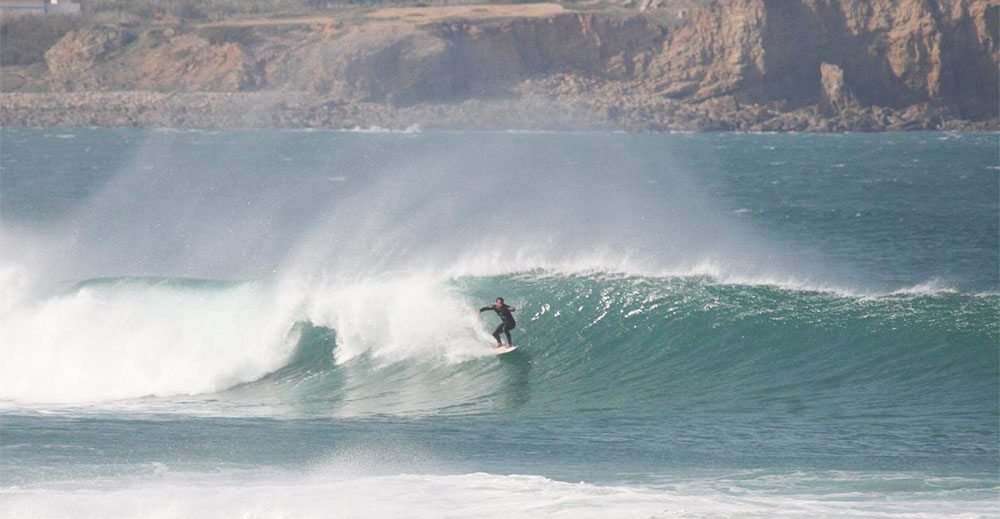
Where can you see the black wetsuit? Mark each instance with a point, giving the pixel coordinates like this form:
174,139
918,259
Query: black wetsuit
507,321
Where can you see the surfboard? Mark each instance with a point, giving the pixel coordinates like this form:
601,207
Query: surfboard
504,349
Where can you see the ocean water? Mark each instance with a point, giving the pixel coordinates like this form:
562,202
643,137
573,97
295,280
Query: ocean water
283,324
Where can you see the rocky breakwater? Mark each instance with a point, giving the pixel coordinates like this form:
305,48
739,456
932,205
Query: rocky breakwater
820,65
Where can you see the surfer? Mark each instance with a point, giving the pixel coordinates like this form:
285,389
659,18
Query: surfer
507,320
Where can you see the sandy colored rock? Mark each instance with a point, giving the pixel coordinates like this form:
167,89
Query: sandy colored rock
836,95
819,65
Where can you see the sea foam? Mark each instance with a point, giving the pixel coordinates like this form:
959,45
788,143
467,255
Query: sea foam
324,493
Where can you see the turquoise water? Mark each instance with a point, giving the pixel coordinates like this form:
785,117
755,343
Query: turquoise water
282,324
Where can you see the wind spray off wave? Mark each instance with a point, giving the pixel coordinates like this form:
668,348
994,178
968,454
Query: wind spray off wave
378,238
266,322
364,241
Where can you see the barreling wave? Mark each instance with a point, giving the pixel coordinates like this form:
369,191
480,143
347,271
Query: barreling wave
412,345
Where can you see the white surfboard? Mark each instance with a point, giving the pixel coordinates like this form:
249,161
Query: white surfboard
504,349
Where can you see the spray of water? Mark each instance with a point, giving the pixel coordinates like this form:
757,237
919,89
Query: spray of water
362,234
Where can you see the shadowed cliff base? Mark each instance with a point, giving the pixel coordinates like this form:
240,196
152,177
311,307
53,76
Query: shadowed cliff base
280,110
749,65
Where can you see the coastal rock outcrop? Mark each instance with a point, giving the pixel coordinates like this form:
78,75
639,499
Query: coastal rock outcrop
836,95
77,61
896,53
733,64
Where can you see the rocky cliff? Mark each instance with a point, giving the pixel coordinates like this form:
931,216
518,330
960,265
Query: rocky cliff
734,64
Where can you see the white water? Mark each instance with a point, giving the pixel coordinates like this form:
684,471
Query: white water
332,491
133,338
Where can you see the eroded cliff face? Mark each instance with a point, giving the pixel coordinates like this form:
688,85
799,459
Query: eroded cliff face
742,61
892,53
122,58
381,61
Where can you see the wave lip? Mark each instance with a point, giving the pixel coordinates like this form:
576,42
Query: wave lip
931,287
